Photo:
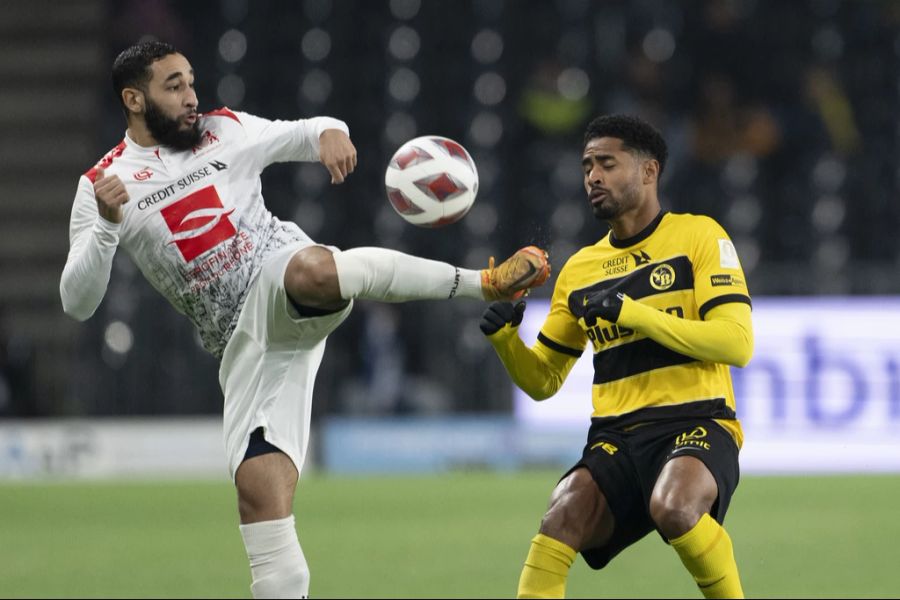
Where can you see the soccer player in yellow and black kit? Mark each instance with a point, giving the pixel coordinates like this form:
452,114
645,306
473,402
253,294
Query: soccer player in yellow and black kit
663,301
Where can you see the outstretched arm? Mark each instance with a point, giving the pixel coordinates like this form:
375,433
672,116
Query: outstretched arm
323,139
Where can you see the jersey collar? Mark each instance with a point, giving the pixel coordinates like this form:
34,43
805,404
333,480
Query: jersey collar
137,148
639,237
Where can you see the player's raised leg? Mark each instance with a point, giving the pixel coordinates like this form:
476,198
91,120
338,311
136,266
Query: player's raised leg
680,506
320,279
265,485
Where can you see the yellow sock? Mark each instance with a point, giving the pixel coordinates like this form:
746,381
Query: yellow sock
546,569
707,553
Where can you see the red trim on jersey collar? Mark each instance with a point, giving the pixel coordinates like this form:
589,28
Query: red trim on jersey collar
222,112
105,161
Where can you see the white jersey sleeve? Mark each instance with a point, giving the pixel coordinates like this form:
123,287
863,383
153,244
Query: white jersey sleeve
284,141
92,244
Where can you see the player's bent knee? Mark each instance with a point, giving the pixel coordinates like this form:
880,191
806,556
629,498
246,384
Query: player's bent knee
684,491
311,279
254,507
672,515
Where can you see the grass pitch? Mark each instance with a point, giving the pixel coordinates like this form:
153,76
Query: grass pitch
445,536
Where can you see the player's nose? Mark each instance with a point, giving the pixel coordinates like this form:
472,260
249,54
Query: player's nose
190,100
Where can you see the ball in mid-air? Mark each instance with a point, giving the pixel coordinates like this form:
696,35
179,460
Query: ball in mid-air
431,181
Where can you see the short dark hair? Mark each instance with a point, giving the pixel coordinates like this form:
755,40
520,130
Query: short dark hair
635,133
132,67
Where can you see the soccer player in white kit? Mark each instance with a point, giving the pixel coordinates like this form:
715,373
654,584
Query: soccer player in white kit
181,194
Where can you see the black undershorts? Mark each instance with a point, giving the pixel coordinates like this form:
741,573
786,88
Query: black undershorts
258,445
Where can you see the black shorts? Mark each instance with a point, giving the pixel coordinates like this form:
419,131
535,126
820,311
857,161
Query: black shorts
626,464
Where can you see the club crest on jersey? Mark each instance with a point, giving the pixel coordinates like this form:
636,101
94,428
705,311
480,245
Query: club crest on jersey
143,175
198,222
662,277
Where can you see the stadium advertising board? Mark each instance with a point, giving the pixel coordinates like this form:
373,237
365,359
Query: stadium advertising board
822,393
101,448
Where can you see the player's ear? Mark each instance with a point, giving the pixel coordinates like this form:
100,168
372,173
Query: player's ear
651,171
133,99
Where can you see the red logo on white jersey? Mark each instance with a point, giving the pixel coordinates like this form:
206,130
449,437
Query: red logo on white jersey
206,139
144,174
199,222
105,161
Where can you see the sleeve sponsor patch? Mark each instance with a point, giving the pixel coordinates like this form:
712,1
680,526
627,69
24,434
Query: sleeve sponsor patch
728,257
725,279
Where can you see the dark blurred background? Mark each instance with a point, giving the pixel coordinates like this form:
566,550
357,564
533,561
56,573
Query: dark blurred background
780,118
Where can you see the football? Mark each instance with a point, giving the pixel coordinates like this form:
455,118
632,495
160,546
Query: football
431,181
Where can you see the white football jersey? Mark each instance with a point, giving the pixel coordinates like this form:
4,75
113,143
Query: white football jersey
195,223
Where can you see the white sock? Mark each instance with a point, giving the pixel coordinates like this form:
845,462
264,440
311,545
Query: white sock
391,276
277,563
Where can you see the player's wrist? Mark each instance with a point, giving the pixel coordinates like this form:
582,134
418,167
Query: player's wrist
329,125
629,313
502,336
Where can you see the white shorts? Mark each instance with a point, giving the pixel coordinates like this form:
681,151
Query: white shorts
269,366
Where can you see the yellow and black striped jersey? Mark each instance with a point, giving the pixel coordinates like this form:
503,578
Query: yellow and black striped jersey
682,264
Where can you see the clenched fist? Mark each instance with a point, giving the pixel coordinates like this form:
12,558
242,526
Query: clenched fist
111,195
500,314
337,153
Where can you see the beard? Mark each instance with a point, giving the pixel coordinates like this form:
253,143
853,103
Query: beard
167,131
616,204
608,209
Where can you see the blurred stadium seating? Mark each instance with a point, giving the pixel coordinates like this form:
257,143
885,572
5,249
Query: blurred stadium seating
781,117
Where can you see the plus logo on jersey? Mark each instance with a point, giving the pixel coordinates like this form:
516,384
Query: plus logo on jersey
199,222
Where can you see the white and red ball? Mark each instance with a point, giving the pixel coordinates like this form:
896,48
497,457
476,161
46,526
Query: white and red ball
431,181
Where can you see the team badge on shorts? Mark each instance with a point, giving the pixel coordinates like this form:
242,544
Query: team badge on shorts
692,439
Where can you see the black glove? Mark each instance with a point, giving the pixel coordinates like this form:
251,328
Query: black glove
498,314
606,305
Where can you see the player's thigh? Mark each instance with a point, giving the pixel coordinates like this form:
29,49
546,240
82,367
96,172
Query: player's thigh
699,474
268,369
607,465
265,486
578,514
684,491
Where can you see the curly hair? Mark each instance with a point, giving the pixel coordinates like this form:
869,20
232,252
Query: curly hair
636,134
132,67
